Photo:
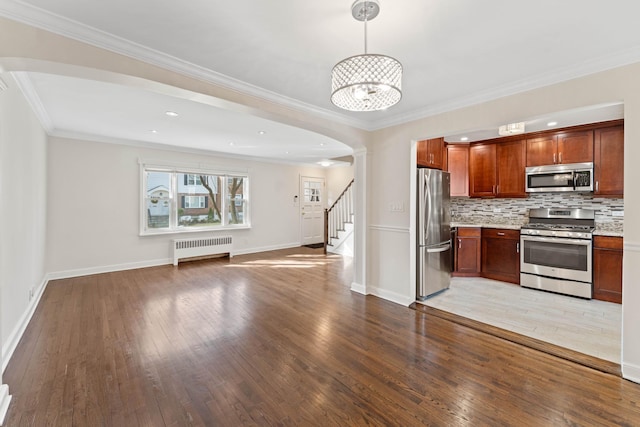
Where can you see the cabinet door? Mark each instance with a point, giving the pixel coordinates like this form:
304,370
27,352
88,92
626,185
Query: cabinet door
609,161
510,163
541,151
436,148
500,255
607,269
575,147
458,167
482,170
423,156
467,250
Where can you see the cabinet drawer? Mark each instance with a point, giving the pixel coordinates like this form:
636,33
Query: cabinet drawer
469,232
607,242
500,233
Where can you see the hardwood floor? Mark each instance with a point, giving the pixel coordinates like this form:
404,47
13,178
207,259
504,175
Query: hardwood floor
279,339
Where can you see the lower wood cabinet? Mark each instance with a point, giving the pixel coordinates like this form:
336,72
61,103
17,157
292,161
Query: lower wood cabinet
607,268
467,250
501,254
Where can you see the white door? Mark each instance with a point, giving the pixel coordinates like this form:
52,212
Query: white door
312,210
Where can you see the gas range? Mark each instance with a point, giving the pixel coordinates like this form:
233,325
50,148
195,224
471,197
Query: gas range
567,223
556,251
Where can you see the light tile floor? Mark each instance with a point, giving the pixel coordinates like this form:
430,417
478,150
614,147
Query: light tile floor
588,326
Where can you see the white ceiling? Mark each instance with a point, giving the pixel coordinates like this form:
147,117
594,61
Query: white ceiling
454,53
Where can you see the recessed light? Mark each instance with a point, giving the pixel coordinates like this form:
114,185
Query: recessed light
261,132
286,152
322,144
464,138
325,163
153,131
171,113
552,123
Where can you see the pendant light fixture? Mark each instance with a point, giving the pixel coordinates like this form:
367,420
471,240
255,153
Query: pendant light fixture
366,82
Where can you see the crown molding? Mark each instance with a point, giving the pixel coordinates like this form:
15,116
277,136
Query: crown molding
558,75
25,85
39,18
80,136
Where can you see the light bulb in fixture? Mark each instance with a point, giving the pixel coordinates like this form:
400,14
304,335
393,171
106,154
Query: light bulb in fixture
464,138
171,113
552,124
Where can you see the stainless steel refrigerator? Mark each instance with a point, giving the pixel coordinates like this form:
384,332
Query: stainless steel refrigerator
434,233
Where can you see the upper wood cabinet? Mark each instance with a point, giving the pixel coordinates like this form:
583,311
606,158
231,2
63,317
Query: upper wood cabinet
560,148
609,161
497,170
510,160
458,167
431,153
482,170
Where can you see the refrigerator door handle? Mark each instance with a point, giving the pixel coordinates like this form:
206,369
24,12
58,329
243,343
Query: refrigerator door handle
439,249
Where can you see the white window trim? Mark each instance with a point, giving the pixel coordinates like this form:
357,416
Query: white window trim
174,228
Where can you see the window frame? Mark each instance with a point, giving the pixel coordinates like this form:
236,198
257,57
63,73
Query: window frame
174,199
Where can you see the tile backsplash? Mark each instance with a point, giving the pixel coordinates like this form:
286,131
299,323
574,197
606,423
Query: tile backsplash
517,210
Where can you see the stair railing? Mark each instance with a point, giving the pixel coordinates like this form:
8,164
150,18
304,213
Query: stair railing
340,212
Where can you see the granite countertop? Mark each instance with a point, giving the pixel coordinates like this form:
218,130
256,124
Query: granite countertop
613,229
483,221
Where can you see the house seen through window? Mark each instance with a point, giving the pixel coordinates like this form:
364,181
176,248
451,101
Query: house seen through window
181,201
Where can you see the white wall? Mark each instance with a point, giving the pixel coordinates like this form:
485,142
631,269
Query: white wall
393,163
93,205
338,177
23,196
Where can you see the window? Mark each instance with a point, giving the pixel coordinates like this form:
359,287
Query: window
177,201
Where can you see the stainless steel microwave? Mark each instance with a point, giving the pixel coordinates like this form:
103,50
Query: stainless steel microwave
569,177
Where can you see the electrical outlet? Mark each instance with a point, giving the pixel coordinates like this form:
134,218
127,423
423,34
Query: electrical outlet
617,213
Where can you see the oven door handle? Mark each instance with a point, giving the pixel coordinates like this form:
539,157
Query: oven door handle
580,242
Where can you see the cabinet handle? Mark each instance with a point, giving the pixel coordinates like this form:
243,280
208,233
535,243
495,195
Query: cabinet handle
554,158
560,157
493,189
459,243
500,233
517,248
597,185
497,188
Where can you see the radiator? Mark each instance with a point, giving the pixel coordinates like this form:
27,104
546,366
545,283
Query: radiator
189,248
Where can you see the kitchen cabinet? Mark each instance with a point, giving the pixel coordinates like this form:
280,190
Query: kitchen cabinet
501,254
467,250
560,148
458,167
510,158
482,170
608,161
607,268
431,153
497,169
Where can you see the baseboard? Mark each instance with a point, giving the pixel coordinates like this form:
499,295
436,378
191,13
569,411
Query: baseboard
631,372
10,344
392,296
5,399
359,288
107,268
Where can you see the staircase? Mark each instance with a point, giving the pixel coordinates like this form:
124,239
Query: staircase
338,224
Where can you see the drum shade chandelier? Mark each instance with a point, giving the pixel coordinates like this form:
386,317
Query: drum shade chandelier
366,82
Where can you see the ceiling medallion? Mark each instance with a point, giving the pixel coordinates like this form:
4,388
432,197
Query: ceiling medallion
368,82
